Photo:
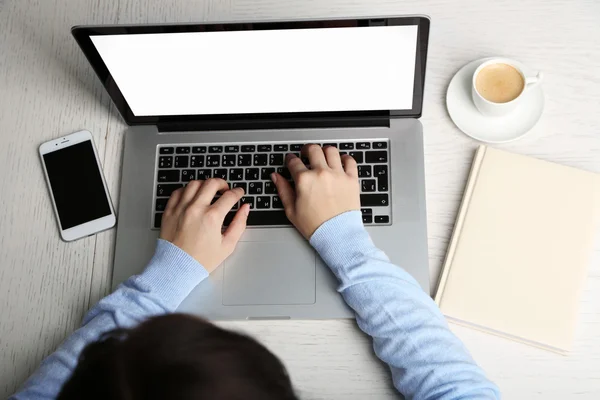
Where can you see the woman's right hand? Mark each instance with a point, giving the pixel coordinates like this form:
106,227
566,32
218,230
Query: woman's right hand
329,188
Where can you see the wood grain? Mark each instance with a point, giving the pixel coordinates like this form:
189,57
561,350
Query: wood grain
47,89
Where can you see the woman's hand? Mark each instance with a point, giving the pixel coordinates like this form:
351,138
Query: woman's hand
191,223
329,188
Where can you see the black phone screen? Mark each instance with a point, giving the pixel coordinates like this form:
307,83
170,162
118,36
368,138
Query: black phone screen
76,185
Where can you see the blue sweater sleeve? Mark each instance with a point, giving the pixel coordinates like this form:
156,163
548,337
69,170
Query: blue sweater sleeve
167,280
409,332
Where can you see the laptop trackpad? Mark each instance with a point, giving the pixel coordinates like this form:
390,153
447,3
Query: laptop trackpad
260,273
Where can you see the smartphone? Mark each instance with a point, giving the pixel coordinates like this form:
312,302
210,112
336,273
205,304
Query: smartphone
77,187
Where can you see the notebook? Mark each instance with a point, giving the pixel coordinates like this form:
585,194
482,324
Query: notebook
520,249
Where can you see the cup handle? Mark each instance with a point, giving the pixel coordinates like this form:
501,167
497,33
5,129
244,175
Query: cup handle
534,80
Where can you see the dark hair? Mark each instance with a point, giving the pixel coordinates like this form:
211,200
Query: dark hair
177,356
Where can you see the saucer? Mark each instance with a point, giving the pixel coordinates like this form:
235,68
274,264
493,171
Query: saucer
503,129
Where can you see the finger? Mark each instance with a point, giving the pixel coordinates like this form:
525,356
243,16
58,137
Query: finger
315,155
173,200
285,191
228,200
295,165
236,228
209,190
189,193
350,166
333,157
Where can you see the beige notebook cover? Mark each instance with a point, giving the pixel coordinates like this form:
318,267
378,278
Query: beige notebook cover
520,249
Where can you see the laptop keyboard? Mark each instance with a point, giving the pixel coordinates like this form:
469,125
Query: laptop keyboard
250,166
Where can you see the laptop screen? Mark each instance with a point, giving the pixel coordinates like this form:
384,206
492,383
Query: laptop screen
263,71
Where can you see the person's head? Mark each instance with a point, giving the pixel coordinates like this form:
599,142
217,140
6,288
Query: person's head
177,357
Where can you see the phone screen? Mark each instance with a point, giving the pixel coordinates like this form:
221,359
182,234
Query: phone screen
76,185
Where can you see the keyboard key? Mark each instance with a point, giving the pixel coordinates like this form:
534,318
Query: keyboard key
374,200
215,149
204,174
280,147
251,174
275,159
380,145
368,185
157,220
166,150
296,147
381,173
220,173
366,211
260,159
199,149
182,150
265,173
188,175
263,202
363,145
367,219
346,146
247,200
181,161
213,161
236,174
376,157
165,162
197,161
382,219
232,149
277,202
262,218
244,160
343,153
228,160
161,204
357,155
270,188
167,175
242,185
167,189
249,148
264,148
364,171
283,171
330,145
255,188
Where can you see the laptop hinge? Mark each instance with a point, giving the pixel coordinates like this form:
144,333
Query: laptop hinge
253,124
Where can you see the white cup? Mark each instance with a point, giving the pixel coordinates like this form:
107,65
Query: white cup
490,108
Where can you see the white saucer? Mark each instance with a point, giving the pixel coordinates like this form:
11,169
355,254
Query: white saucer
491,129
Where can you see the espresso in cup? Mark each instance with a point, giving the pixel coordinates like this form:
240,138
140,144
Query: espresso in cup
499,83
499,86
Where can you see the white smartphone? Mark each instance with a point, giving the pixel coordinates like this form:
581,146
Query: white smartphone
77,187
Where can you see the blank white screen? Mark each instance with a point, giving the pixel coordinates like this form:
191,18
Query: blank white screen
269,71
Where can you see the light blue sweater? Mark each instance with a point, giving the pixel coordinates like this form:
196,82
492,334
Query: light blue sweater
409,333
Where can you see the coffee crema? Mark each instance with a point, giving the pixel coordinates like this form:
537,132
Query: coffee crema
499,83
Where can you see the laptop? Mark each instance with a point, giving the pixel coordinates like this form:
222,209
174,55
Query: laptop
230,100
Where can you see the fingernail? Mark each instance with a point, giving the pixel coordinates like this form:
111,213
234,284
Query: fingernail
274,177
289,155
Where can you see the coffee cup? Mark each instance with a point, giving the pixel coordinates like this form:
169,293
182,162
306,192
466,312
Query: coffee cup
499,85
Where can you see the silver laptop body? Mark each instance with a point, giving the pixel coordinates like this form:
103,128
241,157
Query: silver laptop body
274,273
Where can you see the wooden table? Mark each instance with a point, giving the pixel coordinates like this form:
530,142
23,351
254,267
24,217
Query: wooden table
47,89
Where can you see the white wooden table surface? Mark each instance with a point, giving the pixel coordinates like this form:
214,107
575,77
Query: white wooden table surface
47,89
